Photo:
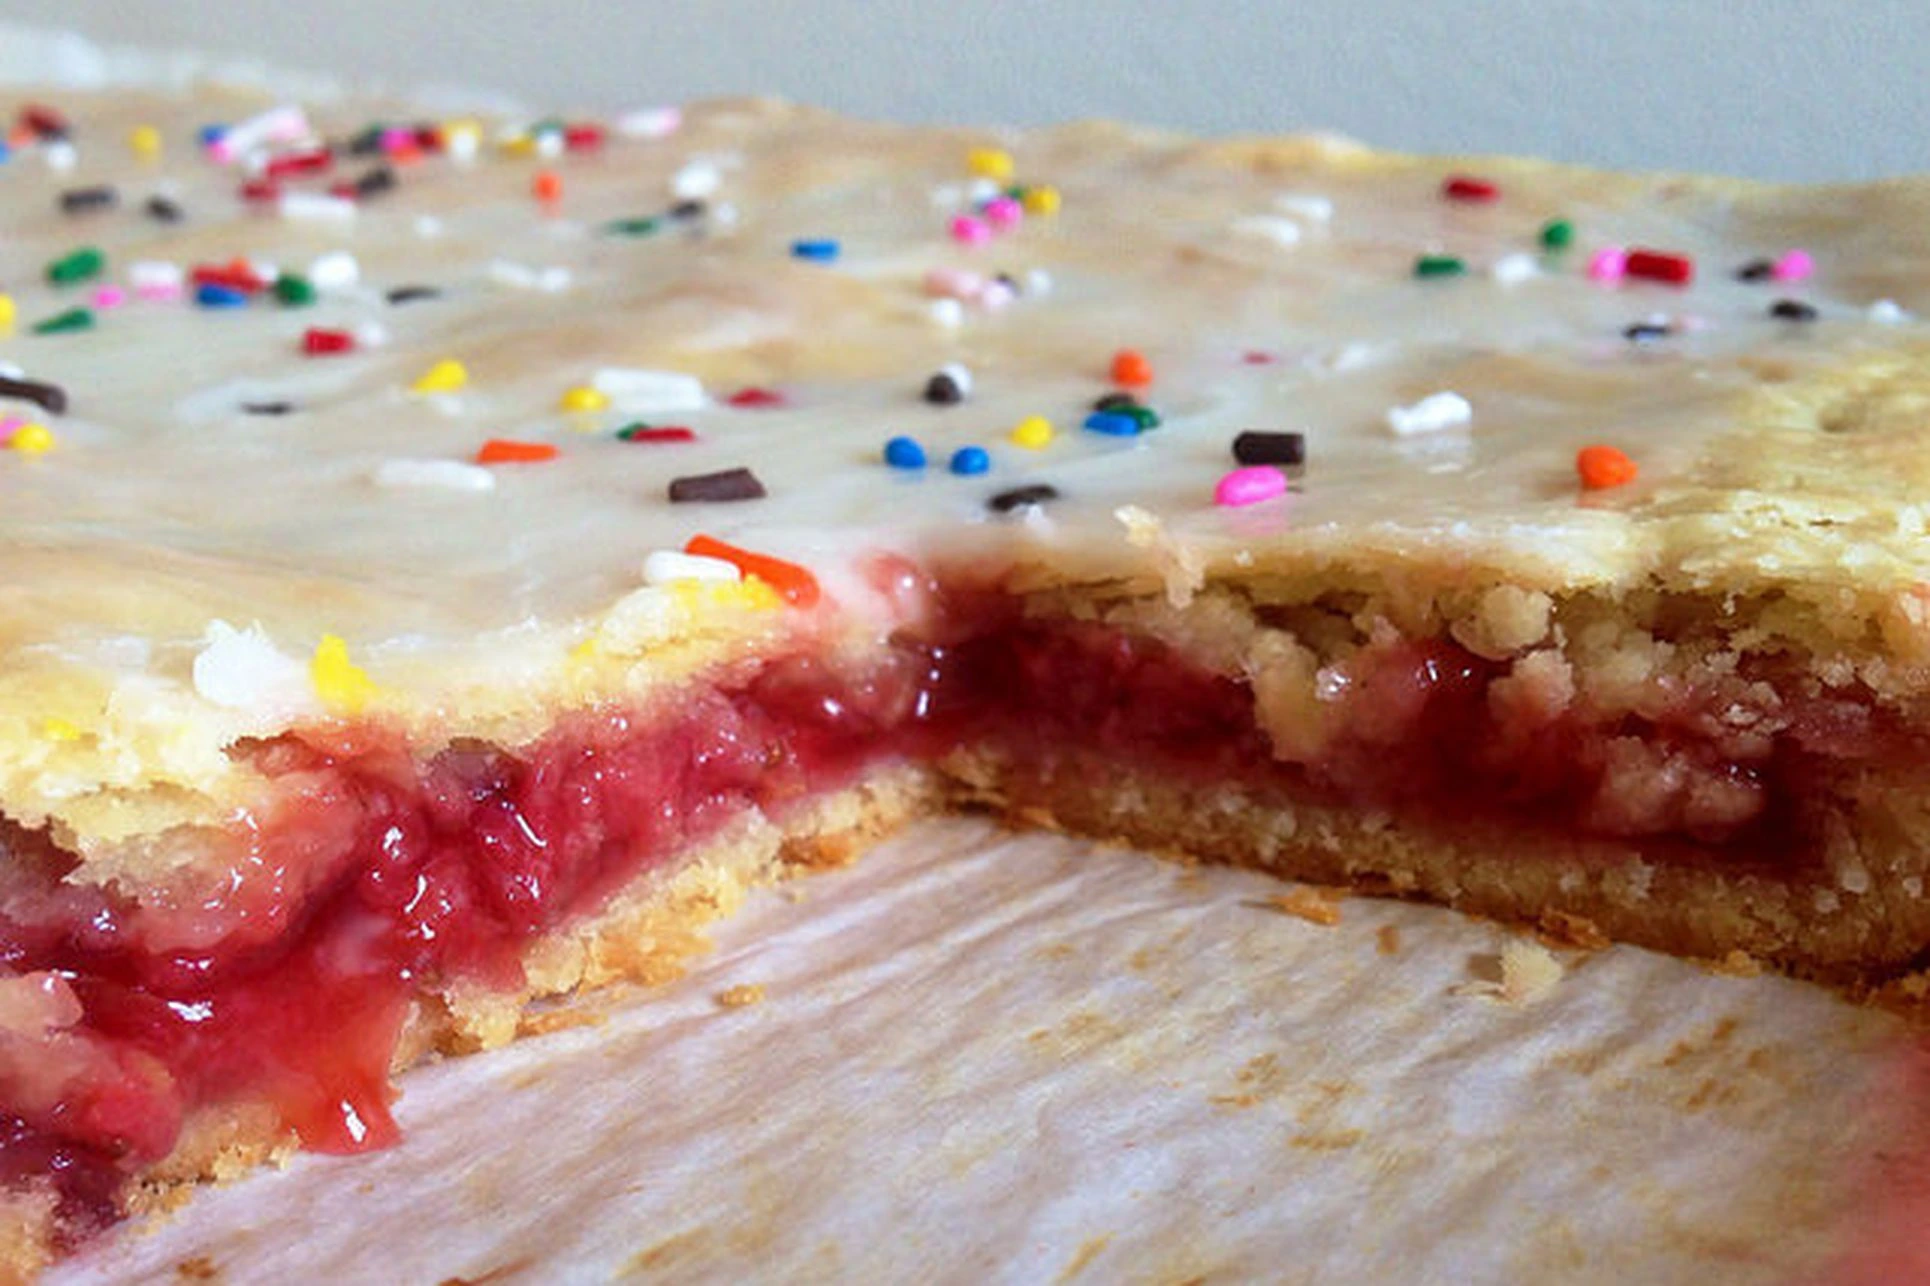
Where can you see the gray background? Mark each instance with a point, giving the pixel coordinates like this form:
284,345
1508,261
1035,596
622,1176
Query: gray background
1800,89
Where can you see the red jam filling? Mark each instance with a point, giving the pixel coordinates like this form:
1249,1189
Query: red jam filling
413,873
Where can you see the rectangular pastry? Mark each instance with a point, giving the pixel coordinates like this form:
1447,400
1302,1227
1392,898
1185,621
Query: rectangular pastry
447,560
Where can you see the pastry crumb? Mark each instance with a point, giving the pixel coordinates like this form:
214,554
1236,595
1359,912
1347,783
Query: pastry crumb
1560,929
1528,971
742,995
201,1268
1314,905
1737,964
1387,940
561,1019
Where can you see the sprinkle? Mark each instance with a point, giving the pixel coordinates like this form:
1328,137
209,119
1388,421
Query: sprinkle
1249,486
1557,234
317,342
1131,369
667,566
990,163
685,211
1512,270
953,283
343,686
1756,270
1658,265
1144,416
306,161
1645,332
945,388
969,461
335,271
1278,229
9,311
43,122
108,298
647,433
546,187
1608,265
1792,310
276,125
434,475
996,295
508,451
314,207
294,290
59,155
949,313
50,398
211,294
162,210
1310,207
1256,446
584,398
1115,424
145,142
1003,212
31,439
724,485
637,391
1033,433
74,319
260,191
1027,497
1433,413
1884,312
1114,401
970,231
1432,266
267,408
83,264
446,376
1795,265
89,199
649,122
818,250
696,180
506,272
796,584
904,453
1042,201
635,227
582,136
755,398
1464,187
1603,467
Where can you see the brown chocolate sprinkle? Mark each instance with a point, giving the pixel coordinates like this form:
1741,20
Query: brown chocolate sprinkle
1029,497
1257,447
86,200
50,398
1756,270
267,408
1116,402
1644,332
942,390
731,484
375,182
412,294
1794,310
162,210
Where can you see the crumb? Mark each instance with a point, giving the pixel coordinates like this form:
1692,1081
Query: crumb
743,994
1737,964
1387,940
1560,929
1314,905
561,1019
199,1269
1528,971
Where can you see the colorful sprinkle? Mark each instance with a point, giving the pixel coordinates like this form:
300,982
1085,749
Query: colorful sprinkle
546,187
508,451
1602,467
1428,267
1003,212
1432,414
145,142
211,294
76,266
9,313
1249,486
948,385
1794,265
1033,433
1116,424
969,230
650,433
343,686
584,398
1608,265
1131,369
1260,447
817,250
970,461
1465,187
724,486
1042,201
668,566
1659,265
990,163
446,376
294,291
1646,332
1031,496
794,583
74,319
1557,234
904,453
1792,310
1756,270
317,342
755,399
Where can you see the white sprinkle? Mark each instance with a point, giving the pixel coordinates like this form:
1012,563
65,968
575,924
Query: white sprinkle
549,144
667,566
947,312
1512,270
428,227
723,216
519,276
1887,312
635,391
446,475
337,270
948,196
959,375
1038,282
1307,206
59,155
462,142
996,295
155,274
1278,229
371,334
650,122
243,670
9,371
316,207
1431,414
982,190
554,280
696,180
276,125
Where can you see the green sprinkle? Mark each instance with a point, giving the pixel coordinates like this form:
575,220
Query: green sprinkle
1144,416
1438,266
62,323
641,227
293,290
1557,234
80,265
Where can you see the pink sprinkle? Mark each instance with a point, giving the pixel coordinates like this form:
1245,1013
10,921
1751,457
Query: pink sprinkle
1003,212
9,425
109,297
1254,357
953,283
1608,265
1249,486
969,231
159,292
397,140
995,295
1794,266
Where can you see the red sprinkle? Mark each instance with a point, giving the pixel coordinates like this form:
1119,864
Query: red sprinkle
547,187
756,397
318,342
585,137
260,190
345,190
42,120
235,276
670,433
506,451
795,584
1657,265
300,163
428,138
1603,467
1130,369
1465,187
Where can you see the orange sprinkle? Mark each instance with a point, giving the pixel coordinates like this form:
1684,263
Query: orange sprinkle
797,586
1603,467
547,186
505,451
1130,368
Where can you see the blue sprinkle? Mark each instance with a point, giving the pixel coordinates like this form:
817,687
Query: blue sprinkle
211,134
823,251
904,453
6,153
970,460
1113,424
213,295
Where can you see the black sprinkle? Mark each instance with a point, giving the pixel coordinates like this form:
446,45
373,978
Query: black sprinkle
412,294
50,398
691,209
1022,498
1794,310
1643,332
366,143
162,210
1009,281
375,182
85,200
1116,402
268,408
1258,447
942,390
731,484
1756,270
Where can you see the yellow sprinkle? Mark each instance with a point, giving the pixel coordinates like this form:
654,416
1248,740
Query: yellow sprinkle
990,163
59,730
710,595
32,439
521,145
1040,200
7,312
146,142
585,398
445,376
343,686
1032,433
